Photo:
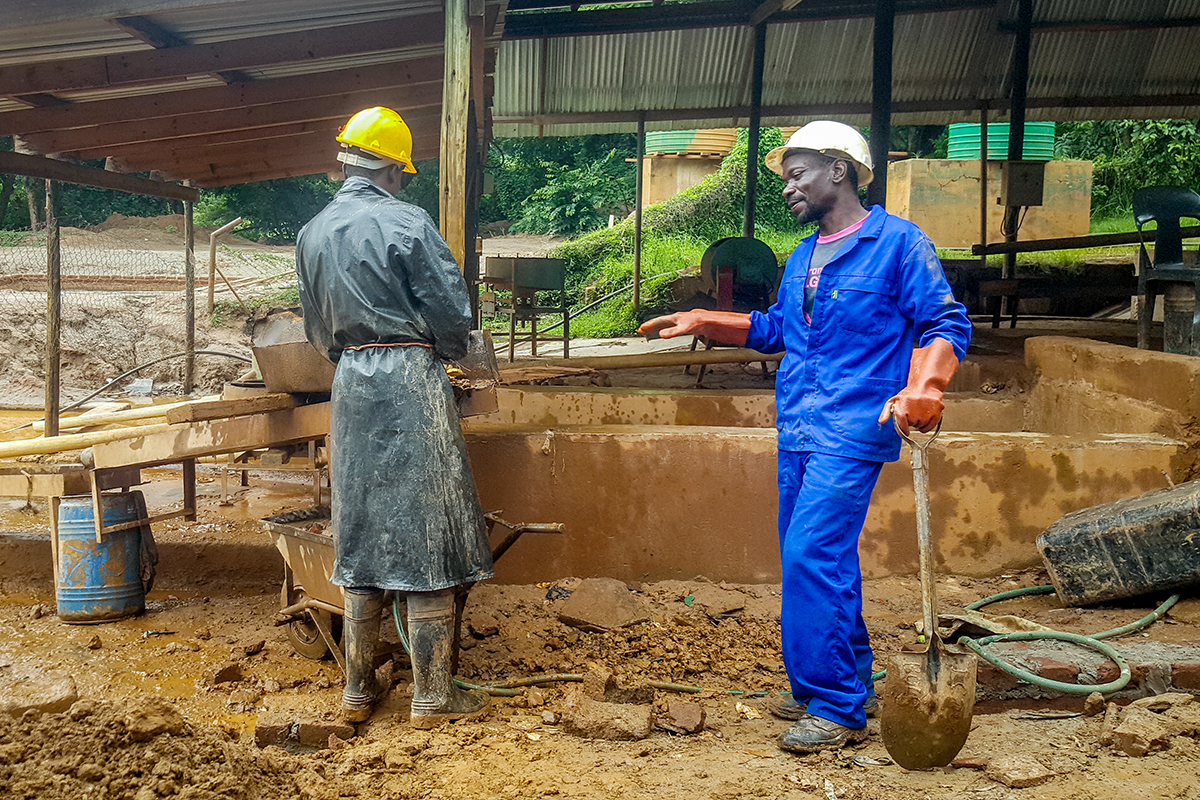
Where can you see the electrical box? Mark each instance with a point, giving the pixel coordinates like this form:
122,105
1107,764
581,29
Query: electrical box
1021,183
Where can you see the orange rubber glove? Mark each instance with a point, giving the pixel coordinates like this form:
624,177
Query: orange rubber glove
726,327
919,404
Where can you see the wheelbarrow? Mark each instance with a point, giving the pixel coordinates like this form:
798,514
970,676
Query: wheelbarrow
312,607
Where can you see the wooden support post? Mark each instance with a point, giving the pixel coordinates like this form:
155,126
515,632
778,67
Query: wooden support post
189,489
881,99
1016,120
189,334
53,311
639,190
456,88
756,89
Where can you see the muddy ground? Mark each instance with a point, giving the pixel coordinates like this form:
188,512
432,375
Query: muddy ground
169,701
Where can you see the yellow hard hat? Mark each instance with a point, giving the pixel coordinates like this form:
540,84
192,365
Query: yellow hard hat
381,132
833,139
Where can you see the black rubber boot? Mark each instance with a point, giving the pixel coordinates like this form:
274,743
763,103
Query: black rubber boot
361,632
431,630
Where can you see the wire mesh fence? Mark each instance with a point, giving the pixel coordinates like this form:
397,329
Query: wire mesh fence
123,301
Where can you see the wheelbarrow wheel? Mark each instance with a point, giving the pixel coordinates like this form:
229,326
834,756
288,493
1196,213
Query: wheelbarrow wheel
305,637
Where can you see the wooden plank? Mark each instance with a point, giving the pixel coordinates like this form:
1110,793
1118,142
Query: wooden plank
40,167
98,137
146,66
223,409
74,441
32,485
215,98
171,444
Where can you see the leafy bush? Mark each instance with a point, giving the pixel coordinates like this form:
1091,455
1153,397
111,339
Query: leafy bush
1130,154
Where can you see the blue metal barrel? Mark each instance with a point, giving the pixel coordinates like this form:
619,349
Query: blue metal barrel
99,582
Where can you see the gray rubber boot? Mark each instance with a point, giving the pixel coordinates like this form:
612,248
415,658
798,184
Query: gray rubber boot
361,632
431,630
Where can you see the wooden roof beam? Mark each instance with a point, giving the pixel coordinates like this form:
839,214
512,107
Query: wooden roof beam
28,14
51,169
304,149
160,38
216,98
149,66
97,138
198,144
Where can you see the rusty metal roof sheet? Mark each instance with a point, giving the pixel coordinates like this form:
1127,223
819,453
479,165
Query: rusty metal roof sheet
1089,60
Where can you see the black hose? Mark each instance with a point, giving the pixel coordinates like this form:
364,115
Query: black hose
136,369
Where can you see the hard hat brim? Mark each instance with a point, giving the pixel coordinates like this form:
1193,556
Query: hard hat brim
774,162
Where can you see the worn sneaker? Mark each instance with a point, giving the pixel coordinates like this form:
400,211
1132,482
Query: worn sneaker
786,707
812,734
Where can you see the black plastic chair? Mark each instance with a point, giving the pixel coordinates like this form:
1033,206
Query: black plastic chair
1165,205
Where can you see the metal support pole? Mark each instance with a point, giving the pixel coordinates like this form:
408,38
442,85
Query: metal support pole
1016,126
637,216
189,243
983,180
881,99
756,90
53,312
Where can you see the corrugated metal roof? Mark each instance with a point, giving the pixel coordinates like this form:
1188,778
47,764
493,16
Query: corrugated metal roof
944,64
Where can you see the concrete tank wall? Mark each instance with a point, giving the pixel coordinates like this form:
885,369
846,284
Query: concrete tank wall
942,197
644,503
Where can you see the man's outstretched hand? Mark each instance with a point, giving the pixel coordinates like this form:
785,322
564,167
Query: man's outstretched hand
726,327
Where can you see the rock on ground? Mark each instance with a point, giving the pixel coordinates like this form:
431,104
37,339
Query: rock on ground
147,717
45,692
591,719
1018,771
682,717
602,604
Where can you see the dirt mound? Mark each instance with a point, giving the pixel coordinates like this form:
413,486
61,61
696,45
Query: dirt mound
166,229
138,749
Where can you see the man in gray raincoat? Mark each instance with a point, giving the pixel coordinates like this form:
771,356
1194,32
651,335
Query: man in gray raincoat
385,300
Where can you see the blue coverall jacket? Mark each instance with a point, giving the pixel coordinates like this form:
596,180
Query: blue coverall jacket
877,297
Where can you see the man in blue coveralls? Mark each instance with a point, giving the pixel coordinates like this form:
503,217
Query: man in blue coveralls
854,300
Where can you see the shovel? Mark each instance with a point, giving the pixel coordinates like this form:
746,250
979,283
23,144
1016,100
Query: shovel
927,698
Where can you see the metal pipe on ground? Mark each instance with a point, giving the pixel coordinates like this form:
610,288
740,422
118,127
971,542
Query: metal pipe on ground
214,270
680,358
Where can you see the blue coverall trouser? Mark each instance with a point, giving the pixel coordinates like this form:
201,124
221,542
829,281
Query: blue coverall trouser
823,503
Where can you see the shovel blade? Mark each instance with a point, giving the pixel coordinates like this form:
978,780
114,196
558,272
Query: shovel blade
925,721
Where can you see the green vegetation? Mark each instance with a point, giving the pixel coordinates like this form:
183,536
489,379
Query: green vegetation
1130,154
675,235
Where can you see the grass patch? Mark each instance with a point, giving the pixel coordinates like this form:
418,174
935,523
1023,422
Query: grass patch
21,239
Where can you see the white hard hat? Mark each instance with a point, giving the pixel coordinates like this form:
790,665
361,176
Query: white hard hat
834,139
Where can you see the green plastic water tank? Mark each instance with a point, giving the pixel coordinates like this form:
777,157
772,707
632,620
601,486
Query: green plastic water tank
964,141
705,140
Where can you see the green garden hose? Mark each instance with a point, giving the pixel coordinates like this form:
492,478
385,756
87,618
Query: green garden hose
1092,641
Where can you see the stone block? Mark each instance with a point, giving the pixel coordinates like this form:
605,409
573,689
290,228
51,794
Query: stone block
591,719
43,692
682,717
316,732
148,716
1186,676
272,728
227,673
994,678
1018,771
1054,670
1140,732
603,604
